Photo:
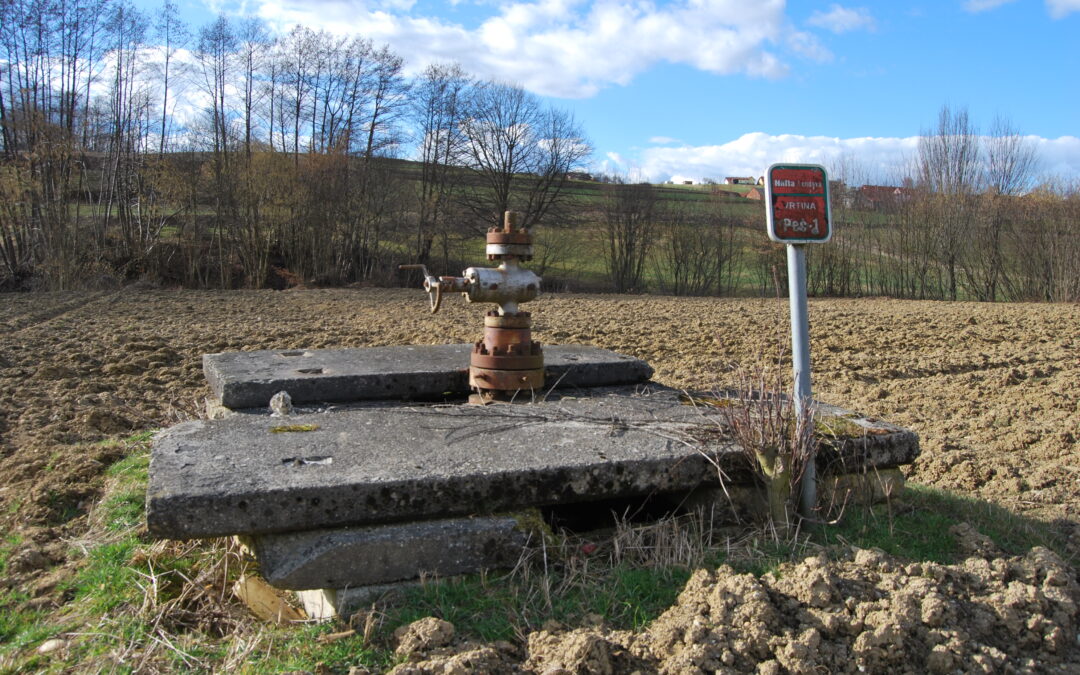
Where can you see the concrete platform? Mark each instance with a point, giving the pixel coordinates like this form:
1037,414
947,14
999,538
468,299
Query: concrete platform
418,372
362,556
258,475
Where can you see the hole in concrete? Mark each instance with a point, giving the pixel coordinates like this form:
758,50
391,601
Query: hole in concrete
604,514
309,371
305,461
292,353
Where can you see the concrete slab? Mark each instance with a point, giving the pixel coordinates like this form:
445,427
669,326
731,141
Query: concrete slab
361,556
257,475
417,372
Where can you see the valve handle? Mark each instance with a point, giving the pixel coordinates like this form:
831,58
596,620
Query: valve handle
431,284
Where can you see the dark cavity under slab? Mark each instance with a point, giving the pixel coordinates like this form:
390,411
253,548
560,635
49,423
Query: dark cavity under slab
253,474
417,372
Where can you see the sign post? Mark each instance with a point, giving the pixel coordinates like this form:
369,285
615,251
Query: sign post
798,214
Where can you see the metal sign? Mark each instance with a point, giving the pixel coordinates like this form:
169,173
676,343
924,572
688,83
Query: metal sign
798,199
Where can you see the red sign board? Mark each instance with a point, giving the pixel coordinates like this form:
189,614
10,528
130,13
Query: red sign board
798,199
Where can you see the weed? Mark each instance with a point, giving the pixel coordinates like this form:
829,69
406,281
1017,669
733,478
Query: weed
293,428
8,544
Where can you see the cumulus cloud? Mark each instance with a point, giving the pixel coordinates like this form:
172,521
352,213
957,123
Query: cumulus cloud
874,160
975,6
843,19
571,48
1059,8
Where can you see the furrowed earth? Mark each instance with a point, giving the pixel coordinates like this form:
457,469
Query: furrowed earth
993,390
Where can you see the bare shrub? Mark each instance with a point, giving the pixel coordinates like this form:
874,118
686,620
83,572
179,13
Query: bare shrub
776,440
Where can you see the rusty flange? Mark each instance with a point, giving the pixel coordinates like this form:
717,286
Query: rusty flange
495,320
507,358
505,380
508,241
495,236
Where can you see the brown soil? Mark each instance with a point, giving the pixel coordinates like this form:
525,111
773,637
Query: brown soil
992,390
869,614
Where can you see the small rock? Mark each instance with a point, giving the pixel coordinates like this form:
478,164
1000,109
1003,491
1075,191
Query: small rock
51,645
281,404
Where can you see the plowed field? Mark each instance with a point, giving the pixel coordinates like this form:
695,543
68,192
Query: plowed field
993,390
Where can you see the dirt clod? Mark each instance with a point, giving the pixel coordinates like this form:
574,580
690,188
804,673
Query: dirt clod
423,635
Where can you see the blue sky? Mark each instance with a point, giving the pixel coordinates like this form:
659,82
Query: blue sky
689,89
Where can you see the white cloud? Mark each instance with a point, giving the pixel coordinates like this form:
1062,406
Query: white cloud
1058,156
1059,8
571,48
751,154
807,45
975,6
663,140
843,19
875,159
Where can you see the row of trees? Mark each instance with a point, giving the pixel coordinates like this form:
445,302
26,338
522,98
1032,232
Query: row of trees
284,167
969,224
285,163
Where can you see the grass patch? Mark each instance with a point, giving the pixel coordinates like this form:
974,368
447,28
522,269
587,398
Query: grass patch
1013,533
916,527
298,648
509,607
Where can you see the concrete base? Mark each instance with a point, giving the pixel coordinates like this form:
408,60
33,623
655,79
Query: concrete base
362,556
260,475
361,567
323,604
420,372
863,489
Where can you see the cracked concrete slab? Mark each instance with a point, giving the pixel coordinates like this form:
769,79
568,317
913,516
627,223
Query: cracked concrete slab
362,556
417,372
398,463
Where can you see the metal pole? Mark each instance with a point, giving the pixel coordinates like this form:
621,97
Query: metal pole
800,362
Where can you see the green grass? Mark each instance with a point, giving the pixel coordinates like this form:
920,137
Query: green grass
916,527
504,607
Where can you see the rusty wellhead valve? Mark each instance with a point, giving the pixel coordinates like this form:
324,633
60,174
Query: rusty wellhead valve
506,360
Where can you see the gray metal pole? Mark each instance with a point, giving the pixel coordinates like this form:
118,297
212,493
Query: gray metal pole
800,361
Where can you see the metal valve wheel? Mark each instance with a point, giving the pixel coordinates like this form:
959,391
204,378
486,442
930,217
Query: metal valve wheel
431,284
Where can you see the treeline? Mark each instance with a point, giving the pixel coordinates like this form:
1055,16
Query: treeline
225,157
284,169
967,224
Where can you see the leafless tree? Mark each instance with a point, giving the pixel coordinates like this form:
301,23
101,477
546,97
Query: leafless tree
173,35
628,231
1009,166
948,164
438,111
519,151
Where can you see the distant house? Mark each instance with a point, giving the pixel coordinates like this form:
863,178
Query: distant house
882,196
579,175
688,182
741,180
755,193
